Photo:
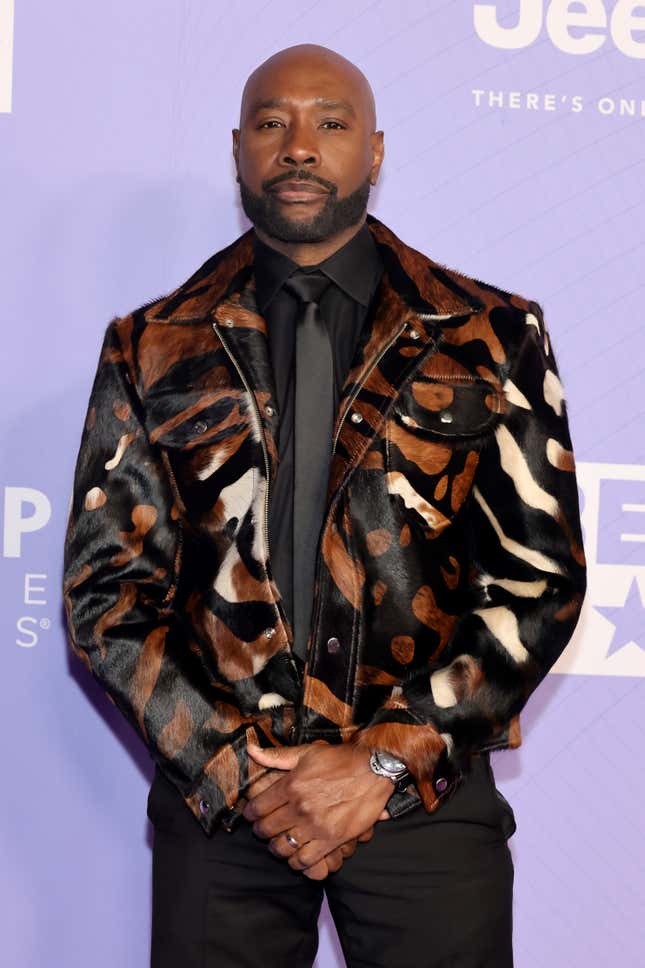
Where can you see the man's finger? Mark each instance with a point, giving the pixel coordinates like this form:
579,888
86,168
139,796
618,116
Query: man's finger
309,854
269,800
366,835
277,757
275,823
349,847
334,860
262,783
317,872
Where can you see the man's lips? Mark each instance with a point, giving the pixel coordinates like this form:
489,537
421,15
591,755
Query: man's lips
297,191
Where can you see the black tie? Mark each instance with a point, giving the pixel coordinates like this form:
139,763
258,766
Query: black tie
313,426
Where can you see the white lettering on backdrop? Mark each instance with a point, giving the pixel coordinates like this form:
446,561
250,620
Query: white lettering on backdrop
6,55
579,27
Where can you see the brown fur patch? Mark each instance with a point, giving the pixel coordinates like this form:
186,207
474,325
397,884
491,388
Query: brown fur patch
402,648
321,699
426,610
378,541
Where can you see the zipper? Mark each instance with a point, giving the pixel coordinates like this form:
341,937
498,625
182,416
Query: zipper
463,378
265,527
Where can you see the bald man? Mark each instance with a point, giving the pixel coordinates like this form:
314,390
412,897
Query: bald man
307,153
317,537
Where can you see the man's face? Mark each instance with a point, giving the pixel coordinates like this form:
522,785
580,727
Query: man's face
306,154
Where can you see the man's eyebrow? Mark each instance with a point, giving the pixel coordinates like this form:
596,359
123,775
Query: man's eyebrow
278,102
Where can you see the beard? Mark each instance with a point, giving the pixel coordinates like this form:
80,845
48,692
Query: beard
337,214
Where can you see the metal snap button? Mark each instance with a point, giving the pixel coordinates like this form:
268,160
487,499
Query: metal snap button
440,784
201,426
228,321
269,409
269,632
356,417
414,334
204,806
333,645
445,416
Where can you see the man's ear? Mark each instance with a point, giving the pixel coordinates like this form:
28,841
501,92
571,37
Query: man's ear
236,151
378,151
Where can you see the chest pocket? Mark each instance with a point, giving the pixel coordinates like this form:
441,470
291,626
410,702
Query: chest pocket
211,449
434,436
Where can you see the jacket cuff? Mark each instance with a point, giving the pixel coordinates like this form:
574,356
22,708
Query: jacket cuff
421,747
402,802
218,798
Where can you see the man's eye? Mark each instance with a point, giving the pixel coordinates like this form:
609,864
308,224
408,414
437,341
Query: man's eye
274,122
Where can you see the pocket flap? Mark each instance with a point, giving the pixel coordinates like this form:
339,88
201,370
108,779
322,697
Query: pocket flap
450,408
194,416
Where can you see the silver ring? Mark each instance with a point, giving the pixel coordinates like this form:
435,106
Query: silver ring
291,840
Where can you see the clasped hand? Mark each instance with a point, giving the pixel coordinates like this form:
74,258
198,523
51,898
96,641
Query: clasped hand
325,796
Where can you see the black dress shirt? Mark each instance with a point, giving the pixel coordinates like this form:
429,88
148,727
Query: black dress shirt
355,270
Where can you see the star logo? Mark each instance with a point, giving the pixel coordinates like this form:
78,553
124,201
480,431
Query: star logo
628,620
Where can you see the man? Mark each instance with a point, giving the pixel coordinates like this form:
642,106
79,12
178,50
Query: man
323,546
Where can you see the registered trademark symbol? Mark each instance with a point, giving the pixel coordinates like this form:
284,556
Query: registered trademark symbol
45,623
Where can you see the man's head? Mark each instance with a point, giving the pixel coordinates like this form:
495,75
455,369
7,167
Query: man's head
306,151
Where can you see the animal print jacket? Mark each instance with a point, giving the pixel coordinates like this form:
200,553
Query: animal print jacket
450,571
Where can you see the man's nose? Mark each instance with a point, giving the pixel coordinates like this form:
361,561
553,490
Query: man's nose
300,147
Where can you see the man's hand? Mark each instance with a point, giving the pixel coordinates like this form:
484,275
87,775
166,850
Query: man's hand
332,861
327,797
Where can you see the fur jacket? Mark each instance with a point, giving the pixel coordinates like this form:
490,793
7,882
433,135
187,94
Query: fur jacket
450,570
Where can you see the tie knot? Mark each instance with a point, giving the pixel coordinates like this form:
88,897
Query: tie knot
307,286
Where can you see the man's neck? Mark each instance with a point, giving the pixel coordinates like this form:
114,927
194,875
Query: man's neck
311,253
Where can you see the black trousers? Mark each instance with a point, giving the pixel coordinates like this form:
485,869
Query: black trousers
428,891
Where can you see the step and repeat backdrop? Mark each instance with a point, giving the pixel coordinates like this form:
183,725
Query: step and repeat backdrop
515,152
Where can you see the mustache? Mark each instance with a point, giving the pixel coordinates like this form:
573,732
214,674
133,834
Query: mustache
299,175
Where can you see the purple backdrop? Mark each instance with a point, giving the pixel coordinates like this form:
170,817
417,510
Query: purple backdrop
514,152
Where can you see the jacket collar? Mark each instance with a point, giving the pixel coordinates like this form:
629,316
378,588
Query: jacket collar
426,286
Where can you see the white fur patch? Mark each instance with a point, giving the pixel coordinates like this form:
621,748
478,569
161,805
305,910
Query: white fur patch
95,498
124,440
556,453
443,691
515,396
398,483
236,497
449,741
213,465
532,320
260,552
256,425
514,463
223,583
503,624
530,555
270,699
553,392
523,589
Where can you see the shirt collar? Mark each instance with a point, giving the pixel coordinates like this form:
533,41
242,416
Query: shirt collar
355,268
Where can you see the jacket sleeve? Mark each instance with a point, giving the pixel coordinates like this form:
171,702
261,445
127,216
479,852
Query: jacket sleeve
122,559
526,586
